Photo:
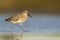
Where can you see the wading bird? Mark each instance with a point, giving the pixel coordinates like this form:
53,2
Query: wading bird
19,18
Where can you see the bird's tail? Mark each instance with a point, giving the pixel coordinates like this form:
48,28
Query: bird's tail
6,19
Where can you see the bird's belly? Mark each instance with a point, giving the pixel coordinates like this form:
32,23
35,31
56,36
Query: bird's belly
15,22
19,21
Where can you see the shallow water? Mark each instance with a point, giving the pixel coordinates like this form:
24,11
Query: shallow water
43,23
39,27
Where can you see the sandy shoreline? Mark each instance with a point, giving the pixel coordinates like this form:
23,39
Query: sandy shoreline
28,36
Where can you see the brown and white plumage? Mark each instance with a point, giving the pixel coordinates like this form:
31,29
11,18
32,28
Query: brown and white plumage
18,18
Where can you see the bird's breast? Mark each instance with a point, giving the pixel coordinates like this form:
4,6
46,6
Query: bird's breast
23,18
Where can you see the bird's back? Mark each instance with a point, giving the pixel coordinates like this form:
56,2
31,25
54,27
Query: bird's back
17,18
12,18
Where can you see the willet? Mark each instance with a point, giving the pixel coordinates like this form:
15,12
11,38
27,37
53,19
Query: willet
19,18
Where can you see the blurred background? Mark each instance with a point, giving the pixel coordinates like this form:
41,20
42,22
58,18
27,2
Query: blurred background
32,5
45,19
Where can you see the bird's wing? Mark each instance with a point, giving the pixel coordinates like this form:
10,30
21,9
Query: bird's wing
13,18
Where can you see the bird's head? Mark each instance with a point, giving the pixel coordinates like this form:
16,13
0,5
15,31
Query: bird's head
26,12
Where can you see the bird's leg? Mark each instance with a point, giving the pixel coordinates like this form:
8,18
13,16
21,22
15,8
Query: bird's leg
22,30
11,32
21,26
11,29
